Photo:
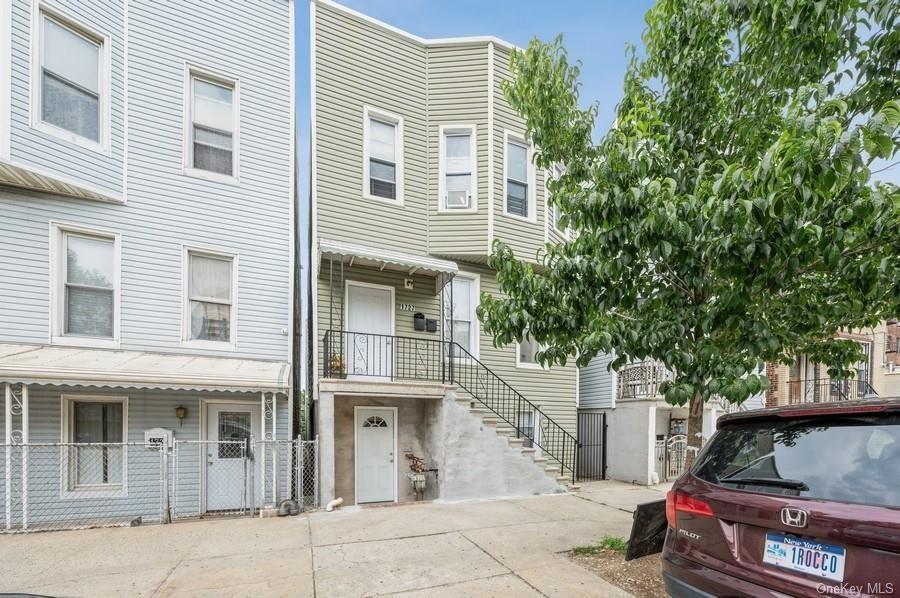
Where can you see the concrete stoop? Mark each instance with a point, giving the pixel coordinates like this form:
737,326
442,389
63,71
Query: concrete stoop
533,473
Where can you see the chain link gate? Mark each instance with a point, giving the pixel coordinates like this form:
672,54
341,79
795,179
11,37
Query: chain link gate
54,486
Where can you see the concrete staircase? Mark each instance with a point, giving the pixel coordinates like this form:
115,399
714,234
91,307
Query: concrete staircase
491,422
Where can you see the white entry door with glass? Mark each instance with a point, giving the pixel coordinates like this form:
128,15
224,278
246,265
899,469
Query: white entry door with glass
375,446
370,325
229,426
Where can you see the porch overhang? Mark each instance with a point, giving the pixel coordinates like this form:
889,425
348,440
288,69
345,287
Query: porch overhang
25,176
105,368
386,259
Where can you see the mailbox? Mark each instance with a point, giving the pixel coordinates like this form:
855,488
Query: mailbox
157,438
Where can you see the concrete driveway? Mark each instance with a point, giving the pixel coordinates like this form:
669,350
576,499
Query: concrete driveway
483,548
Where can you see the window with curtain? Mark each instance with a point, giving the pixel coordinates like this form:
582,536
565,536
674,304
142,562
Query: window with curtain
528,349
458,171
98,425
382,159
209,299
89,286
517,179
212,123
461,313
70,79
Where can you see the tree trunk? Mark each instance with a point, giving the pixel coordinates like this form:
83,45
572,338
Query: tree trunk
694,429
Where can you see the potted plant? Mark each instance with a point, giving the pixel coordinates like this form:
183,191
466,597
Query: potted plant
417,475
336,367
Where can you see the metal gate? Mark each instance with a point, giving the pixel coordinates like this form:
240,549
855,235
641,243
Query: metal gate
671,455
592,446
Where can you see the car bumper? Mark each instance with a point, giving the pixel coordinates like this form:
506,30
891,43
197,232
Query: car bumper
687,579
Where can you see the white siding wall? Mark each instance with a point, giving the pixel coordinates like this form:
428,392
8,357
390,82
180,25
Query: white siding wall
165,208
597,384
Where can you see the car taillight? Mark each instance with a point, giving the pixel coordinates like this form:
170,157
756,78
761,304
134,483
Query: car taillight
670,508
679,502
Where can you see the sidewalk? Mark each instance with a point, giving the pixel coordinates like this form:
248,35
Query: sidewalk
478,548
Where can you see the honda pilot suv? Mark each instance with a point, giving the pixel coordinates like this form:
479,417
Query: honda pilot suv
798,500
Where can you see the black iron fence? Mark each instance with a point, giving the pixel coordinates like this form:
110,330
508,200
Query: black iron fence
829,390
356,354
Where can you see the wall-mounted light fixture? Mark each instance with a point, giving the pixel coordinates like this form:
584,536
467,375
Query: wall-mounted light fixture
180,413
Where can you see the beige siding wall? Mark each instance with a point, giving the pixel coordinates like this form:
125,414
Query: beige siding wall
525,238
358,65
458,94
553,389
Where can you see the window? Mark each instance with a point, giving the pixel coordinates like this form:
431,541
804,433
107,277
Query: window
383,153
212,125
70,80
457,168
527,353
85,296
210,298
460,301
519,179
526,427
94,429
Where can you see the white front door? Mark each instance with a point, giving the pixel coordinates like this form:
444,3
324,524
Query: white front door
375,468
228,426
370,314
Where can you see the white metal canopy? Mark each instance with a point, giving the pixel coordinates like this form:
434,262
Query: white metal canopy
386,259
75,366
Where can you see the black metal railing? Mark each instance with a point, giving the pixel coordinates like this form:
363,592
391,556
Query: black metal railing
387,357
828,390
358,354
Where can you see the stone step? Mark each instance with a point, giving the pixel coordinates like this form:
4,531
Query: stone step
515,442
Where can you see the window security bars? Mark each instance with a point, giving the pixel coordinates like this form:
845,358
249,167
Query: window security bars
55,486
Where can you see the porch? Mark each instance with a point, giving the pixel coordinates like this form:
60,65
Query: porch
93,437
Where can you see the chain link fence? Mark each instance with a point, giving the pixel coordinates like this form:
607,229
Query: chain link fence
52,486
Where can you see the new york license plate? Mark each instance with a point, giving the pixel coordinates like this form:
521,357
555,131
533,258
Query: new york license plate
805,556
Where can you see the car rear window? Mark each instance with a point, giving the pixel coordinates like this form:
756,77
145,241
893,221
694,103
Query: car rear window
856,459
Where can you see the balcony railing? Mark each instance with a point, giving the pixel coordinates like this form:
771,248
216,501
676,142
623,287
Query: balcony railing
641,380
385,357
382,356
828,390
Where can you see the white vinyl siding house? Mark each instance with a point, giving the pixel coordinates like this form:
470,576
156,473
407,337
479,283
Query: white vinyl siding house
146,254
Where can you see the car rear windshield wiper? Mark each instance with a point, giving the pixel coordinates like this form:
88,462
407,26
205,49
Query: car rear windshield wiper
763,481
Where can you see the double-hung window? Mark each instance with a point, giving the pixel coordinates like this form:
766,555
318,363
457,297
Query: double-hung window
95,429
85,295
212,126
70,82
383,153
457,168
210,298
460,301
519,180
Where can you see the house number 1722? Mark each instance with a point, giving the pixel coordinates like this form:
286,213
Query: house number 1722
407,307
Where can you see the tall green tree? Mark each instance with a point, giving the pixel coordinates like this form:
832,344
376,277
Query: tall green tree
730,216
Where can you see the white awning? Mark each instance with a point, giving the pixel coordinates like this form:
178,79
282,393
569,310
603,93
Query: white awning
30,177
75,366
386,259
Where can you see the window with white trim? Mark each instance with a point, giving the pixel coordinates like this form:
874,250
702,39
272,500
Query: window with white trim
383,154
210,290
461,323
457,168
87,283
518,183
71,78
213,121
95,429
527,353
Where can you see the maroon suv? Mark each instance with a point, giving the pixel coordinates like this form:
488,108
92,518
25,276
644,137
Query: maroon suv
799,500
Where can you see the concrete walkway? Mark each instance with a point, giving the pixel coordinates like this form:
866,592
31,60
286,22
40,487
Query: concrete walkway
483,548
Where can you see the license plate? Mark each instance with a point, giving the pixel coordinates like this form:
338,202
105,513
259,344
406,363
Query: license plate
806,556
